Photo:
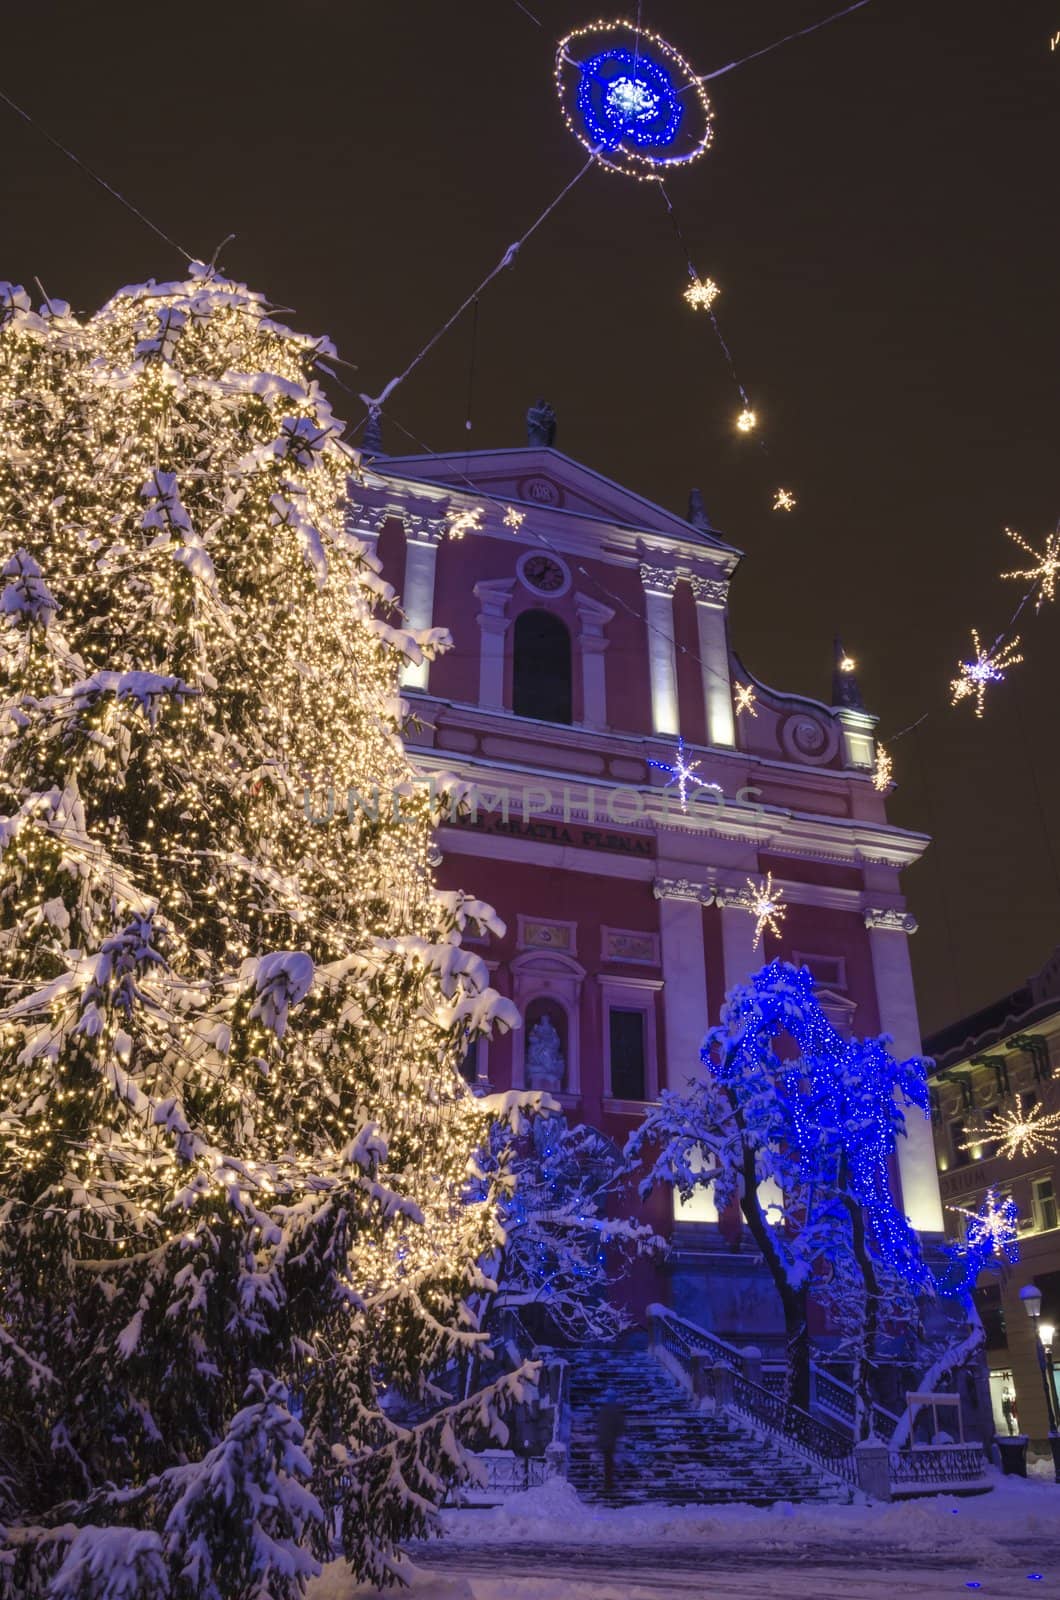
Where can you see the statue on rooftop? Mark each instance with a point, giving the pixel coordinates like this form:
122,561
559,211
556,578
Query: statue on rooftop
541,425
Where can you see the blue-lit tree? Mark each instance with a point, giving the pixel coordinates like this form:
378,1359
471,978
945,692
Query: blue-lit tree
798,1125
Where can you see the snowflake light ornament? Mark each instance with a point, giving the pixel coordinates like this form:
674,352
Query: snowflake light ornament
766,906
747,420
784,500
461,522
514,519
701,294
987,666
1048,568
683,774
1018,1133
993,1227
883,771
745,699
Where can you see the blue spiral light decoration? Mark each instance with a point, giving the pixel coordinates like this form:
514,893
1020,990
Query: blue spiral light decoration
631,100
627,98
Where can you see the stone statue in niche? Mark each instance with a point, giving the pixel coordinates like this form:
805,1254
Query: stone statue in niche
545,1065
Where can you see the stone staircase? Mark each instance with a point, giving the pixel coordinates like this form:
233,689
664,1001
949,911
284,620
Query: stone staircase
672,1452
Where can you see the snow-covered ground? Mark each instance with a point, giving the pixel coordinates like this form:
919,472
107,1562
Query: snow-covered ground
547,1545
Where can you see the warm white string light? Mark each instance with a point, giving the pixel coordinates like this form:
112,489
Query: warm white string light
986,666
1017,1133
1046,571
995,1224
461,522
745,700
702,293
766,905
883,771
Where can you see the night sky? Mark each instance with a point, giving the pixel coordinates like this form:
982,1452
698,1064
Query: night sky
880,208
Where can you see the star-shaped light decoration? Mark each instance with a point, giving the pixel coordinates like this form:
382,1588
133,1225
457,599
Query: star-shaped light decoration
993,1225
766,906
988,666
784,500
745,699
1048,569
702,293
746,420
883,771
1018,1133
461,522
683,773
514,519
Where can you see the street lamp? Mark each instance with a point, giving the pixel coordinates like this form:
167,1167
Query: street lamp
1043,1340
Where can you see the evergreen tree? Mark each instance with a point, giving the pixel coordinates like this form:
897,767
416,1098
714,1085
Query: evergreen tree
234,1146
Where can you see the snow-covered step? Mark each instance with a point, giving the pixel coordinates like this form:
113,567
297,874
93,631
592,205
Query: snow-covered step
670,1451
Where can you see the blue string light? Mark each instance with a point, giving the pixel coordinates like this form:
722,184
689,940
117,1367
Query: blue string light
838,1100
628,99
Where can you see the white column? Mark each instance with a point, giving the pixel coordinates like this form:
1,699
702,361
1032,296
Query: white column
711,599
739,956
684,974
684,1004
659,585
889,932
493,596
417,598
592,644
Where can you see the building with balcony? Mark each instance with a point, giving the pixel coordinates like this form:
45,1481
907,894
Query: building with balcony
1002,1064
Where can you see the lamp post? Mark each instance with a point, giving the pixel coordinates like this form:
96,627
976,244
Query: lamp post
1031,1296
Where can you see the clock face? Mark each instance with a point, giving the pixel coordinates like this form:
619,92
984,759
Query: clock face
544,574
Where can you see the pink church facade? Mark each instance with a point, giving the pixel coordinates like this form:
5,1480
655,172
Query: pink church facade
590,635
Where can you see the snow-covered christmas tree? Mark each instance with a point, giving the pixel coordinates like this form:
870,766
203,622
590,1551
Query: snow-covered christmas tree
234,1146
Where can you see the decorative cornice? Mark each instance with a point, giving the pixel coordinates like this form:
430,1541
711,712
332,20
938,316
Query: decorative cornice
890,918
682,889
493,594
658,580
731,899
709,591
368,521
423,529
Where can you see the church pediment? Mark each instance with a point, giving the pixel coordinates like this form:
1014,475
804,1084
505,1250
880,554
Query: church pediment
545,479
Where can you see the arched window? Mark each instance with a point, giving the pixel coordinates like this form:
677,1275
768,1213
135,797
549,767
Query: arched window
541,676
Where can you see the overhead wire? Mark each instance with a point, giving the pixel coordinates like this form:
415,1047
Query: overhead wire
95,176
